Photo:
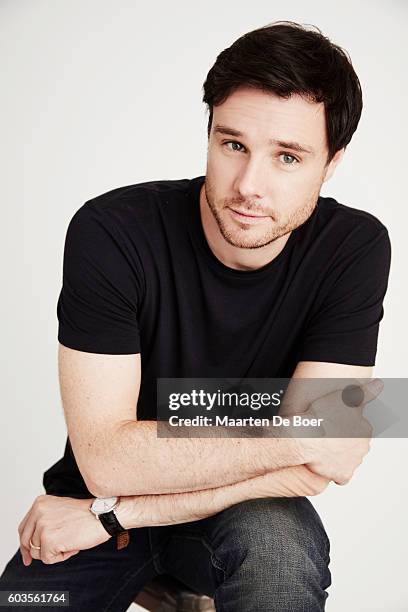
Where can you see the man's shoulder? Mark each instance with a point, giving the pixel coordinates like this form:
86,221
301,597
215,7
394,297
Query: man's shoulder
342,218
133,215
140,194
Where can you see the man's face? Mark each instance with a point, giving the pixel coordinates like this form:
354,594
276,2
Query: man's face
259,190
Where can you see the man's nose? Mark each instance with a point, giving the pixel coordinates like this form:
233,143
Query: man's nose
250,183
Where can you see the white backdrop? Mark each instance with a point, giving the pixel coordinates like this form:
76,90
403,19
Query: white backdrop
97,94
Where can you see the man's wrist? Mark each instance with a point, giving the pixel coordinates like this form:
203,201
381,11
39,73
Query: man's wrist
296,453
307,449
301,447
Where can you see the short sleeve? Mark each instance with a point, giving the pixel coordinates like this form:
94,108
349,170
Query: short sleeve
344,328
98,304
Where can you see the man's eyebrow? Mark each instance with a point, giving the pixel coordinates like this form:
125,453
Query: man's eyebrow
285,144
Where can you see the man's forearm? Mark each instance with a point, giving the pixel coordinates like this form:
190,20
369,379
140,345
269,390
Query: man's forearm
173,508
134,461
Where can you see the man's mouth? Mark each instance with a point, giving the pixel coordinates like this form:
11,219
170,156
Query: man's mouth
246,216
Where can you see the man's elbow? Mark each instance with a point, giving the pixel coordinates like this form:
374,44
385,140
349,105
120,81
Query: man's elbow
98,480
100,487
102,484
100,477
94,485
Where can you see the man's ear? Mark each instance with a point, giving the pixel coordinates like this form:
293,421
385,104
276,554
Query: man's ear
338,156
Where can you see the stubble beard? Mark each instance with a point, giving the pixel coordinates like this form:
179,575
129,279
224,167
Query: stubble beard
241,238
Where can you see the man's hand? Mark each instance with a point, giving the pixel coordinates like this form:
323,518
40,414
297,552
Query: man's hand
335,456
61,526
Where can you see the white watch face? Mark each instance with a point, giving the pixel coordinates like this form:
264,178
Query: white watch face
103,504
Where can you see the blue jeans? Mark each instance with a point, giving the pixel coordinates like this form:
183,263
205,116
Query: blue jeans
263,555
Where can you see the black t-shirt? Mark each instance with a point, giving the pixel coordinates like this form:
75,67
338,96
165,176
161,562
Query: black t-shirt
140,277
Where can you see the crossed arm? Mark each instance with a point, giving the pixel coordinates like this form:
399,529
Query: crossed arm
164,481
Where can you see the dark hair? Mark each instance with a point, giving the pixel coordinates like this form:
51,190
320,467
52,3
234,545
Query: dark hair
286,58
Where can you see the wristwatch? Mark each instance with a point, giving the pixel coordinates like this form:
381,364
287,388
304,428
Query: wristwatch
103,509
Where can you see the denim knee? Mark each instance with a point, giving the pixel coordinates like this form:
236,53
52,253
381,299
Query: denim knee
275,549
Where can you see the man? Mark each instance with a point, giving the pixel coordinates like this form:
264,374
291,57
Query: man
246,272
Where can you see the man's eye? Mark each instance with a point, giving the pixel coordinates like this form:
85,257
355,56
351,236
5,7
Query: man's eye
292,163
233,142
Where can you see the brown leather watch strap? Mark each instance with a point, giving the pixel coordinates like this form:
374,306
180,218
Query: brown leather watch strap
122,539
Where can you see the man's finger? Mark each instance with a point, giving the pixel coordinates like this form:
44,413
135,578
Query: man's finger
36,539
356,396
24,520
26,535
25,555
24,549
372,389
